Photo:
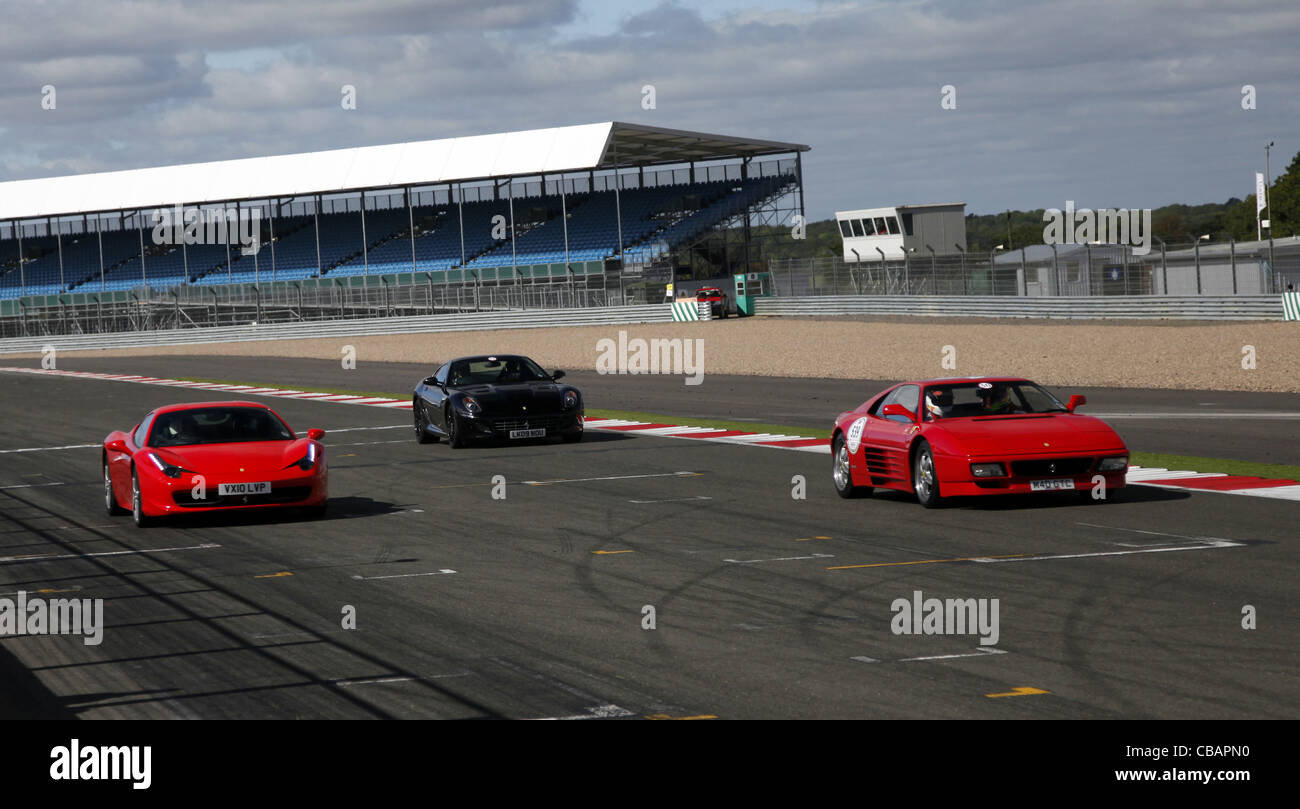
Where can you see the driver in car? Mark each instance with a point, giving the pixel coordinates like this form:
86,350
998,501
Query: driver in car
938,402
997,400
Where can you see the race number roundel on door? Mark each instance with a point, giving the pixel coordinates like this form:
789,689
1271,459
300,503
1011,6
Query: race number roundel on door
855,433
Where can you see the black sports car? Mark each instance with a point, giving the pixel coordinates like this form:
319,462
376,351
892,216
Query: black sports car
498,396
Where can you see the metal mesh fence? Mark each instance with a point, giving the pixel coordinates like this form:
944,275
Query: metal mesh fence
1086,270
244,304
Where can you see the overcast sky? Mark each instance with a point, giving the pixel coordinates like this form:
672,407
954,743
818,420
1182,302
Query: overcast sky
1110,104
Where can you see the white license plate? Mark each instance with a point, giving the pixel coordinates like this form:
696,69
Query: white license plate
536,433
1054,485
234,489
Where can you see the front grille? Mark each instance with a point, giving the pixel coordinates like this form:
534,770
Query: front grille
280,494
1051,466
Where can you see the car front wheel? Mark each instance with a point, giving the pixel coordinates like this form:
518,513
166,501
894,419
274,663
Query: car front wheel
110,499
841,473
137,503
456,433
422,434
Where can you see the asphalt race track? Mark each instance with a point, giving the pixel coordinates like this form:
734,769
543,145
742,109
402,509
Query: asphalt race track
1258,427
531,606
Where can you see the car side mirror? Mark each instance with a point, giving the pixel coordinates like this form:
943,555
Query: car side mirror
116,445
428,380
1076,401
315,434
557,375
897,410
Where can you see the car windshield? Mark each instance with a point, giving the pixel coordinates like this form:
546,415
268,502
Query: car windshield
973,399
217,425
495,371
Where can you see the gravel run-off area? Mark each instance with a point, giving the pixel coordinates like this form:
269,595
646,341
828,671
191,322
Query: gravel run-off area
1146,354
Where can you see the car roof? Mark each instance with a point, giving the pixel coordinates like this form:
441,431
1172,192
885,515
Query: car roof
963,380
489,356
172,408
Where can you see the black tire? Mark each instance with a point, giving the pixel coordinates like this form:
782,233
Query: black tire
925,480
110,500
422,435
840,475
137,507
456,433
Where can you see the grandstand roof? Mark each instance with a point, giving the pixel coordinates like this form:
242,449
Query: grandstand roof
431,162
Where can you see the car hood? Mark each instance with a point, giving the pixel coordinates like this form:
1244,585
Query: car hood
253,457
536,396
1018,435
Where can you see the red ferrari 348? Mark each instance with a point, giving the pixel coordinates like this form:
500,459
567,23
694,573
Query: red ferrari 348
943,438
213,456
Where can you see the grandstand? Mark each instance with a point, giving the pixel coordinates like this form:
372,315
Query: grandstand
600,205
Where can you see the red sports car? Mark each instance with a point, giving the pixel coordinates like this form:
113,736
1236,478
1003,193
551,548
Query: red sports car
716,298
952,437
213,456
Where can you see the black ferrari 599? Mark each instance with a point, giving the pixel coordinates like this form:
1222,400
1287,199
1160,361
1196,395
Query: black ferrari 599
502,396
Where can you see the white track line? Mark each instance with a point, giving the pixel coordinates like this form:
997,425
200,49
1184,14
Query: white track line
1209,544
443,572
780,559
50,557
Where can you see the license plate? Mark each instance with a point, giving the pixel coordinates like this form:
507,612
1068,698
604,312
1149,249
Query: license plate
1054,485
233,489
535,433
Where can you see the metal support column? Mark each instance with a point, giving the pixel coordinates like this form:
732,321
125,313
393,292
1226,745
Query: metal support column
410,220
365,249
22,271
99,235
460,212
514,255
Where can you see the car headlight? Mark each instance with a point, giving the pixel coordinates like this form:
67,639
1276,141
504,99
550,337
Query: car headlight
307,461
1116,464
987,470
570,399
170,470
472,406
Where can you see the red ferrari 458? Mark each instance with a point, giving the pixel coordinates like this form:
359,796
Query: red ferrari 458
213,456
953,437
